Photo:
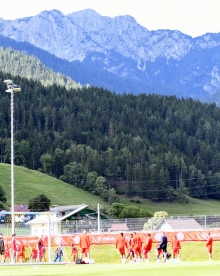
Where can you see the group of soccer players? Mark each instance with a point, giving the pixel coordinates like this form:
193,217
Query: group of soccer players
17,254
137,251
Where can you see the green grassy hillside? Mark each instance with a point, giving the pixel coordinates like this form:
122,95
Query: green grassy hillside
29,183
194,207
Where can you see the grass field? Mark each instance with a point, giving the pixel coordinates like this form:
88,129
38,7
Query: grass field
140,269
107,254
194,261
29,183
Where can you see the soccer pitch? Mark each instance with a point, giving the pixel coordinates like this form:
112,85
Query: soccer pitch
139,269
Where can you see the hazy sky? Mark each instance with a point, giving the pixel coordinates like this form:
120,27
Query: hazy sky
192,17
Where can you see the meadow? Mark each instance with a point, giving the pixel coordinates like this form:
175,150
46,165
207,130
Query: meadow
29,183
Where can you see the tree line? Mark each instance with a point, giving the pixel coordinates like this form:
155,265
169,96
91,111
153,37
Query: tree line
153,146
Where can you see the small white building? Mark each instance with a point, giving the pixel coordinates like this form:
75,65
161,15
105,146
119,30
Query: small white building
51,222
43,223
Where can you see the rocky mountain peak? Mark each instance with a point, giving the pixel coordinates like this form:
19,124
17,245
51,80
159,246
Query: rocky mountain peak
123,47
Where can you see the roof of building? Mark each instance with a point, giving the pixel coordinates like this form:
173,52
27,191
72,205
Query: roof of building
180,224
58,216
118,227
21,208
67,208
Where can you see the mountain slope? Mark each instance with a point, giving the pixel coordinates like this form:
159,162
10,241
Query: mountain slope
120,55
29,183
19,63
81,72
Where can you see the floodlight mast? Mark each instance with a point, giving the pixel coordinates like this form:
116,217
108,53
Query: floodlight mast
11,88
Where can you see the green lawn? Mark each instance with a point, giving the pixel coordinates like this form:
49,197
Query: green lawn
140,269
194,261
29,183
194,207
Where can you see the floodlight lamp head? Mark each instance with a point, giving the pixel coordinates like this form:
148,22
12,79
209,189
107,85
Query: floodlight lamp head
16,88
8,82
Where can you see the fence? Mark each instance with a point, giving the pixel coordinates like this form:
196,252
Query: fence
139,224
50,223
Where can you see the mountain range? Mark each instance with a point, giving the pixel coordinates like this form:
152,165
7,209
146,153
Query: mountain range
119,54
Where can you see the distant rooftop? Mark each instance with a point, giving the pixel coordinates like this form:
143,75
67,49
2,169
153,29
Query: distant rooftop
179,224
67,208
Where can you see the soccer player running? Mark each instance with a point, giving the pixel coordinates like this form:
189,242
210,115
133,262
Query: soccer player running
175,245
147,248
120,246
209,246
84,244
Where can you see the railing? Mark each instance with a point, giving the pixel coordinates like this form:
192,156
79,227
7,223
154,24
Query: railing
132,224
140,224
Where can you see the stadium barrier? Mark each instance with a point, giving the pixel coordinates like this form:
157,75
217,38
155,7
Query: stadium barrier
110,238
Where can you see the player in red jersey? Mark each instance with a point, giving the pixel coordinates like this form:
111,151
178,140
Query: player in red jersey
175,245
33,254
7,253
84,244
209,246
74,252
147,248
137,245
120,246
40,246
14,250
43,254
129,245
21,253
159,253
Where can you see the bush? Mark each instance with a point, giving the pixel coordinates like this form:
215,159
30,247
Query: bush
153,222
135,201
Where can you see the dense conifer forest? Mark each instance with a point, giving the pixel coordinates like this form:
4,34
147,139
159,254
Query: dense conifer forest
152,146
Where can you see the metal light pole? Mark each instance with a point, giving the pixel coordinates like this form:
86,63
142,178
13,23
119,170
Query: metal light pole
11,88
